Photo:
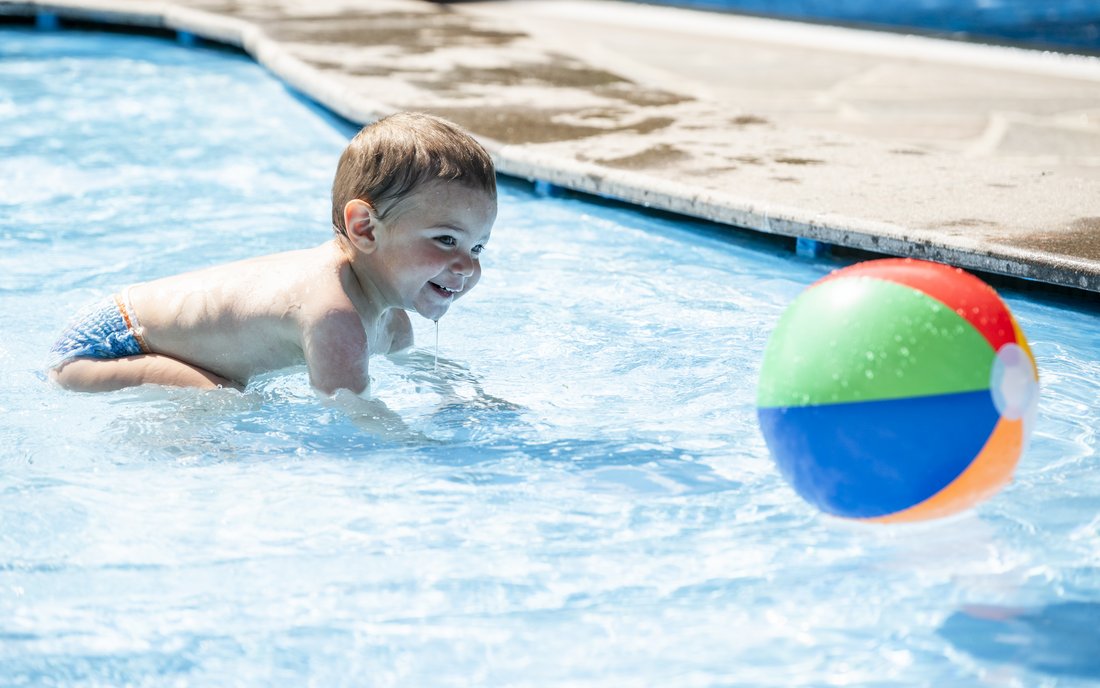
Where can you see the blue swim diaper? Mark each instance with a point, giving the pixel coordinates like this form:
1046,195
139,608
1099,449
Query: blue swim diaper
102,330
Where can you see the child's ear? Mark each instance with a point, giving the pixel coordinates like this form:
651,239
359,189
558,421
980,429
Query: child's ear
361,224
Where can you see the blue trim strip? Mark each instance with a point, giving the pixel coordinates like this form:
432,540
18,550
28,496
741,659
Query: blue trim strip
47,21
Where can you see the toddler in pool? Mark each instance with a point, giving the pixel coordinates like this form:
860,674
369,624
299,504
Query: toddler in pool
413,204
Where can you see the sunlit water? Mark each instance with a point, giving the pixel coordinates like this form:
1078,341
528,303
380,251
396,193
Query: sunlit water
592,503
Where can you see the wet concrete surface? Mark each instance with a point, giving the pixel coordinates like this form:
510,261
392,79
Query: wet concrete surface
983,157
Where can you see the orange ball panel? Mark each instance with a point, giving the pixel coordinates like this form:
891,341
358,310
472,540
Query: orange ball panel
989,471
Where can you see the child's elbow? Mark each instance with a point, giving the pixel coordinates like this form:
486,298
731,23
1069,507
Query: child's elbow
330,379
331,388
337,371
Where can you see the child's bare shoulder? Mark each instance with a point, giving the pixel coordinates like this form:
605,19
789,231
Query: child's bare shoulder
325,297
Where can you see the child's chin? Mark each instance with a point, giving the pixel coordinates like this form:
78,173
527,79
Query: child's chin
432,312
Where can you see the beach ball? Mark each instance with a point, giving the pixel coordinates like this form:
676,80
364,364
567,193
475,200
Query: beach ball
897,390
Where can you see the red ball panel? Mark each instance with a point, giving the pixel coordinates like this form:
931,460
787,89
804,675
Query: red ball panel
970,297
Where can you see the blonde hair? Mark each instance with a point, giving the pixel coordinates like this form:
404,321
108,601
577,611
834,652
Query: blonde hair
391,158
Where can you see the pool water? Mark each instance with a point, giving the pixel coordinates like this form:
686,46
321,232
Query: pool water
580,496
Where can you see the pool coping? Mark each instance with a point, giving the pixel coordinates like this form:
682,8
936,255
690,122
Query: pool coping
814,229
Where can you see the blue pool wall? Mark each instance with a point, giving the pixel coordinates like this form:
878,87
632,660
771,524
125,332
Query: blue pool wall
1054,24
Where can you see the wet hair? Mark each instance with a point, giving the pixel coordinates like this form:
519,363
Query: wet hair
393,157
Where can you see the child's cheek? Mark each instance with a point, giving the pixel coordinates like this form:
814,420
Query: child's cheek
473,279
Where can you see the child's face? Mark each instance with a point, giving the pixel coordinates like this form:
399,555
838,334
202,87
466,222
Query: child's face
429,247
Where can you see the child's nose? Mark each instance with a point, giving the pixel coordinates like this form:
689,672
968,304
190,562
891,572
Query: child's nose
463,265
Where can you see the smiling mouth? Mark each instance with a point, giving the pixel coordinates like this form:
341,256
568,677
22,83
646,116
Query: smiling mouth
444,291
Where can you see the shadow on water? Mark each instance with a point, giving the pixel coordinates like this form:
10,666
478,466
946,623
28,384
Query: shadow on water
1060,639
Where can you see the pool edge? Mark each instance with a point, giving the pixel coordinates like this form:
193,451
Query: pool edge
638,188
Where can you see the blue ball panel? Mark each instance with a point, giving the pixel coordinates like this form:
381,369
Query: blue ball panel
873,458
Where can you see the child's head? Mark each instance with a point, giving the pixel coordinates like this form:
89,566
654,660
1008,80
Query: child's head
397,155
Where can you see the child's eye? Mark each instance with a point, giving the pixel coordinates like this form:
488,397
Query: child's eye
446,240
478,249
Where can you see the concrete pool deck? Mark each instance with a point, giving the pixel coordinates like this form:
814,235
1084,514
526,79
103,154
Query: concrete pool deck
980,156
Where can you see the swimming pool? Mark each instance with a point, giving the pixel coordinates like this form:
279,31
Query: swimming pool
594,506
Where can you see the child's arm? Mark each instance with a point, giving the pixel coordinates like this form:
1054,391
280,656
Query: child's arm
374,417
336,352
335,348
446,377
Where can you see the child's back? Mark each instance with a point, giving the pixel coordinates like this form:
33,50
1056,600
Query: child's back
239,319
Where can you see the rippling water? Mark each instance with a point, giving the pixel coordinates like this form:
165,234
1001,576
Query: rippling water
591,503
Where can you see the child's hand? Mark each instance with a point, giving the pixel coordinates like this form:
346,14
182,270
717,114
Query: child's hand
376,418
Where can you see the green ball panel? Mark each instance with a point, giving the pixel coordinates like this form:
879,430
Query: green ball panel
865,339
